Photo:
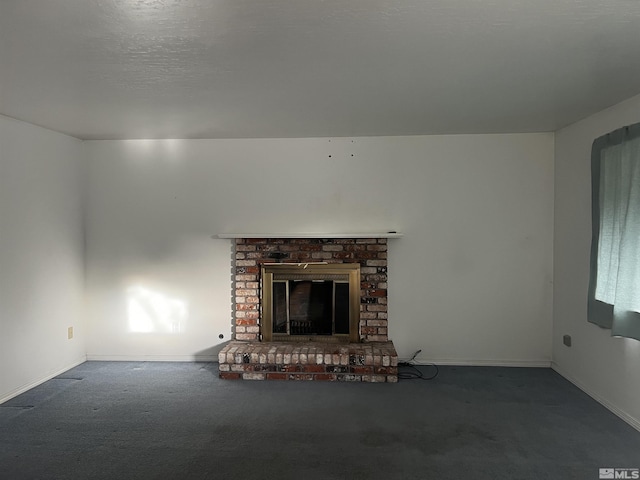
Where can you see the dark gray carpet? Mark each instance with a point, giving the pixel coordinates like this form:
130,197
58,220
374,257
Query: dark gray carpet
130,420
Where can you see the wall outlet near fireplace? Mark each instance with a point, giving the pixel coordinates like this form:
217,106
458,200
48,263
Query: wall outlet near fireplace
70,333
566,339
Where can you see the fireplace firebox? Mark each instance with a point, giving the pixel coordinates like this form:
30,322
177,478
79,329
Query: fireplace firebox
311,302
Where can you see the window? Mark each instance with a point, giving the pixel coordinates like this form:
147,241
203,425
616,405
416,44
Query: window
614,288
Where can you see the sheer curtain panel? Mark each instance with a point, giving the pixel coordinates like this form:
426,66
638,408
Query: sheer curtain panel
614,289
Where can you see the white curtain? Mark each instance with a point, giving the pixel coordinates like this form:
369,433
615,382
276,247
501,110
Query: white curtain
618,251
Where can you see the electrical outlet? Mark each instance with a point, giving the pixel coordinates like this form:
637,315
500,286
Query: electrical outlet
70,333
566,339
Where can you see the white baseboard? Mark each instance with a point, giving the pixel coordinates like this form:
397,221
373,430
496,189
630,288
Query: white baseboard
29,386
634,422
152,358
480,363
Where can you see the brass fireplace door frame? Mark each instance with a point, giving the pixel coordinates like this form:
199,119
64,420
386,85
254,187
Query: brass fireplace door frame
307,271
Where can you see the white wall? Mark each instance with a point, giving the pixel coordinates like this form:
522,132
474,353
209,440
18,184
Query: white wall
607,368
41,255
469,282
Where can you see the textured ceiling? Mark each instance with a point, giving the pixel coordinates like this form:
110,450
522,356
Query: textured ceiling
304,68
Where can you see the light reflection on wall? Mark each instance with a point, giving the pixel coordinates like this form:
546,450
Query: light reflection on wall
150,311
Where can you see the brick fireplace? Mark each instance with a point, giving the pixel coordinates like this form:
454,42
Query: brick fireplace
368,355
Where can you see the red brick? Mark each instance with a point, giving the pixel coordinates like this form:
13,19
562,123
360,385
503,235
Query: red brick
361,370
311,248
230,375
373,292
309,368
245,306
291,368
324,376
244,321
386,370
277,376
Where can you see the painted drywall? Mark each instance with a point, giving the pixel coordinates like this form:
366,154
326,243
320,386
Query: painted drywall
607,368
470,281
41,255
